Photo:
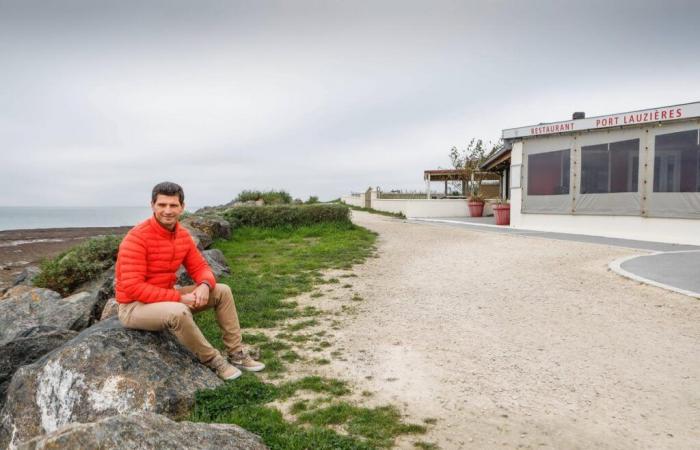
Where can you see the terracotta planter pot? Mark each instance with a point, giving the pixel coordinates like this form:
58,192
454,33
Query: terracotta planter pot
476,209
502,213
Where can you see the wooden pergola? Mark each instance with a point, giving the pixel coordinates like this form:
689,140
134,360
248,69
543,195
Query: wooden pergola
446,175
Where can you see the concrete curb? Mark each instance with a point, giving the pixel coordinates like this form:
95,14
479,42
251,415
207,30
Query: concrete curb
616,266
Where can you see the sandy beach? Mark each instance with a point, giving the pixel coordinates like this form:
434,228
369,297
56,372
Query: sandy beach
22,248
517,342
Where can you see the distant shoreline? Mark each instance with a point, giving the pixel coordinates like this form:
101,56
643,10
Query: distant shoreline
28,247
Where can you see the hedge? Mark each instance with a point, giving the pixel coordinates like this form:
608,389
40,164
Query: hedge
286,215
80,264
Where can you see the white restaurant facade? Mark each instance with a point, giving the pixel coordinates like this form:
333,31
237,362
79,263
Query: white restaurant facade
633,175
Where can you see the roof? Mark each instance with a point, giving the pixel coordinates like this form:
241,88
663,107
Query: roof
497,158
445,174
632,118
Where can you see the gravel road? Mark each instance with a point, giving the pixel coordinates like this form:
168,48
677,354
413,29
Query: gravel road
520,342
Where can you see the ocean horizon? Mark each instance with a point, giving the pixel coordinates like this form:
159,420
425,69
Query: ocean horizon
31,217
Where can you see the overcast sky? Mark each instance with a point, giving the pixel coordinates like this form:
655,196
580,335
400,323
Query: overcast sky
101,100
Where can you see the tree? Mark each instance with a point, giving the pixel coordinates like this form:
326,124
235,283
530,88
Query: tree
467,161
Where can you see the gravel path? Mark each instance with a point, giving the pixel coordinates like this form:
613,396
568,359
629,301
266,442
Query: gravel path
513,341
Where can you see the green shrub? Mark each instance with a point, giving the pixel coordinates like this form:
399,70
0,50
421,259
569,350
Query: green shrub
269,197
286,215
312,200
78,265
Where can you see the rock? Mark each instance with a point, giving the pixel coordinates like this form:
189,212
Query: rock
104,371
16,290
216,260
147,430
38,306
27,347
200,238
26,277
111,309
215,227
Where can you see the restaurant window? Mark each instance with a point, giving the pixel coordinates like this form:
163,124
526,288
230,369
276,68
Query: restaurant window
548,173
612,167
677,162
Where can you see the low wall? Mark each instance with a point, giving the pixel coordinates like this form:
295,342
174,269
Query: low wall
424,207
354,201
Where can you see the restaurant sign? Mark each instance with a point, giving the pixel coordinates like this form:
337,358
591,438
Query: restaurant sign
688,110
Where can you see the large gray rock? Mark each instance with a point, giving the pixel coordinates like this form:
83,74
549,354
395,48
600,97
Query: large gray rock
111,309
26,348
104,371
216,260
147,431
26,276
200,238
37,306
215,227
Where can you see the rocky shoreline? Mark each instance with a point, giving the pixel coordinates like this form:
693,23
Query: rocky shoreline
73,375
20,249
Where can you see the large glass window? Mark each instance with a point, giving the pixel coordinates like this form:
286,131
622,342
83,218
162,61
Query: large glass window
548,173
677,162
612,167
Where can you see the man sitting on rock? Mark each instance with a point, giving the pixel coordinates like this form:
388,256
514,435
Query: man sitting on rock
149,256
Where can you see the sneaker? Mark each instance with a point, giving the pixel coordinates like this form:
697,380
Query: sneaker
243,361
223,369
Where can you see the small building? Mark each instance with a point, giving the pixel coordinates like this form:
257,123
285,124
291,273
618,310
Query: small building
633,175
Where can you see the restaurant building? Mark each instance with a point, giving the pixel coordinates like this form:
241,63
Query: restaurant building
633,175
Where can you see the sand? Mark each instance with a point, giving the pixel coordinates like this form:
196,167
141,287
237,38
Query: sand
518,342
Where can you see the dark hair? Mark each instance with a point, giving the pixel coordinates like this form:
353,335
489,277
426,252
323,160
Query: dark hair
168,188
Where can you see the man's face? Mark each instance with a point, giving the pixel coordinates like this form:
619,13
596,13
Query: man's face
167,209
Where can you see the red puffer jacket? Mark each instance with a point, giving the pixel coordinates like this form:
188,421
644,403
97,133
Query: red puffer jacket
147,261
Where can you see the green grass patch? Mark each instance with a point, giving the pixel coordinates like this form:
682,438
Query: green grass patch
243,402
270,265
426,445
379,426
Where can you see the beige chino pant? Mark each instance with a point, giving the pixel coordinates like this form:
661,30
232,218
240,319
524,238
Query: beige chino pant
177,318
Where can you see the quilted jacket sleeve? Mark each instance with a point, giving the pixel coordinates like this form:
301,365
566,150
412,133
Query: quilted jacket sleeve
132,273
197,266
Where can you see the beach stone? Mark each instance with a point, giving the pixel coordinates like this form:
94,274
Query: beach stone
27,347
105,370
216,260
213,226
38,306
26,276
147,430
111,309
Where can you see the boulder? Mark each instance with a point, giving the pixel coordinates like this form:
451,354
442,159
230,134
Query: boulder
200,238
215,227
37,306
147,430
26,276
104,371
216,260
27,347
111,309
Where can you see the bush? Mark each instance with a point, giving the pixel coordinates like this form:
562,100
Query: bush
269,197
80,264
286,215
312,200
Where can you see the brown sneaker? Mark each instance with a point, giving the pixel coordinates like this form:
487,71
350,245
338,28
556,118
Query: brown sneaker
223,369
243,361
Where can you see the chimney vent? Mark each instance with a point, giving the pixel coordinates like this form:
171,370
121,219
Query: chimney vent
579,115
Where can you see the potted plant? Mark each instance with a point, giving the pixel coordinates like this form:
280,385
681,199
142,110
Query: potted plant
502,212
476,200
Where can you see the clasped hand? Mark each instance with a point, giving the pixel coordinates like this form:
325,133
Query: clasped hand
197,298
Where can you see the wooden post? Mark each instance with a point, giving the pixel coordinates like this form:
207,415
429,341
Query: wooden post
427,187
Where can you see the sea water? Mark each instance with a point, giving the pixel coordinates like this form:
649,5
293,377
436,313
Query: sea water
27,217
